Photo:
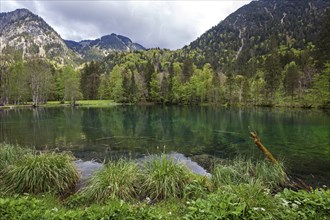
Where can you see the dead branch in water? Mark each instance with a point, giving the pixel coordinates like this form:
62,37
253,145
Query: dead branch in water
264,150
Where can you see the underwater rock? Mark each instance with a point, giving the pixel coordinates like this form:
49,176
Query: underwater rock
180,158
86,169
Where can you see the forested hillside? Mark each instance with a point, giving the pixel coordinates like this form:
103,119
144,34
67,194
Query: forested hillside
269,52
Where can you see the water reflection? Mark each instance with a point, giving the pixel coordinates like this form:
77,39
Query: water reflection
133,131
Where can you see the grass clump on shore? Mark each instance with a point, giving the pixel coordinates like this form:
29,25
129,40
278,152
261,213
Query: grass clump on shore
116,180
9,154
241,170
41,173
239,189
164,178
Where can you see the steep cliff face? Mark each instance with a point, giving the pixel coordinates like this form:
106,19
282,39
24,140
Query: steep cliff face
23,31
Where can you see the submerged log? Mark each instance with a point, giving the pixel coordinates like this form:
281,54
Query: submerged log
264,150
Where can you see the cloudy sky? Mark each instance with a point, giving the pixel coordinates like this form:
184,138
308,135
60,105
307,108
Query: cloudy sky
166,24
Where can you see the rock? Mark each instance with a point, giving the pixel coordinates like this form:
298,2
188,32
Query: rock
86,169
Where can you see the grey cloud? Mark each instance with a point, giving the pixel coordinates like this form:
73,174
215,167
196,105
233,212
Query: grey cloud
143,22
163,24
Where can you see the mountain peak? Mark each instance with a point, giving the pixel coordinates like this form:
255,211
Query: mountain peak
23,10
101,47
23,31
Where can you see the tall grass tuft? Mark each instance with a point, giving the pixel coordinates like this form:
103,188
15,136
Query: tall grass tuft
9,154
242,170
116,180
40,173
164,178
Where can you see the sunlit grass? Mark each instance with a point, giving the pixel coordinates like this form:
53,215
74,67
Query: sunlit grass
40,173
116,180
95,102
83,103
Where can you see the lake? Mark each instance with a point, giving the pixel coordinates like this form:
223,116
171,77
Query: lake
300,137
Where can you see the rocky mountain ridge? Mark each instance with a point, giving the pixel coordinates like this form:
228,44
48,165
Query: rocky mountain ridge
101,47
22,31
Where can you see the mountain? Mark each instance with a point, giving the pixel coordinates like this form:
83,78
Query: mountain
99,48
246,33
23,31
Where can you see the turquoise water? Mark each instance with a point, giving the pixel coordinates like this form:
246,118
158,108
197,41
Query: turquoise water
300,137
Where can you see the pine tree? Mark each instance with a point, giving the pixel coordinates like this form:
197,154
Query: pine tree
155,88
187,70
291,78
90,80
323,41
148,71
273,71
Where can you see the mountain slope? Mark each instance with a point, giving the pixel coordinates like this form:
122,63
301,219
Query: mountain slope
99,48
246,33
21,30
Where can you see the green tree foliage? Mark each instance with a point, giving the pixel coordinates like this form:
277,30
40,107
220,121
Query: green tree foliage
321,88
148,71
291,78
177,87
90,80
187,70
71,85
59,85
273,72
39,79
201,84
155,87
116,84
104,89
17,83
257,88
323,41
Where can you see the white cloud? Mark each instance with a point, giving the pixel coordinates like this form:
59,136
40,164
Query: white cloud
169,24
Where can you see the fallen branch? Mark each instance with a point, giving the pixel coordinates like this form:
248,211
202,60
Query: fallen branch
264,150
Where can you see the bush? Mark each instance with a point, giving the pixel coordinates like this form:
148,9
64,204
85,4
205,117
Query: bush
116,180
199,187
305,205
233,202
40,173
164,178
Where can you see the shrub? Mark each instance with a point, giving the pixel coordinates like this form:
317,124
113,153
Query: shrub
233,202
40,173
116,180
199,187
305,205
164,178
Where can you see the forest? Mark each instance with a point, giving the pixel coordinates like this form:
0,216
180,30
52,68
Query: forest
286,74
